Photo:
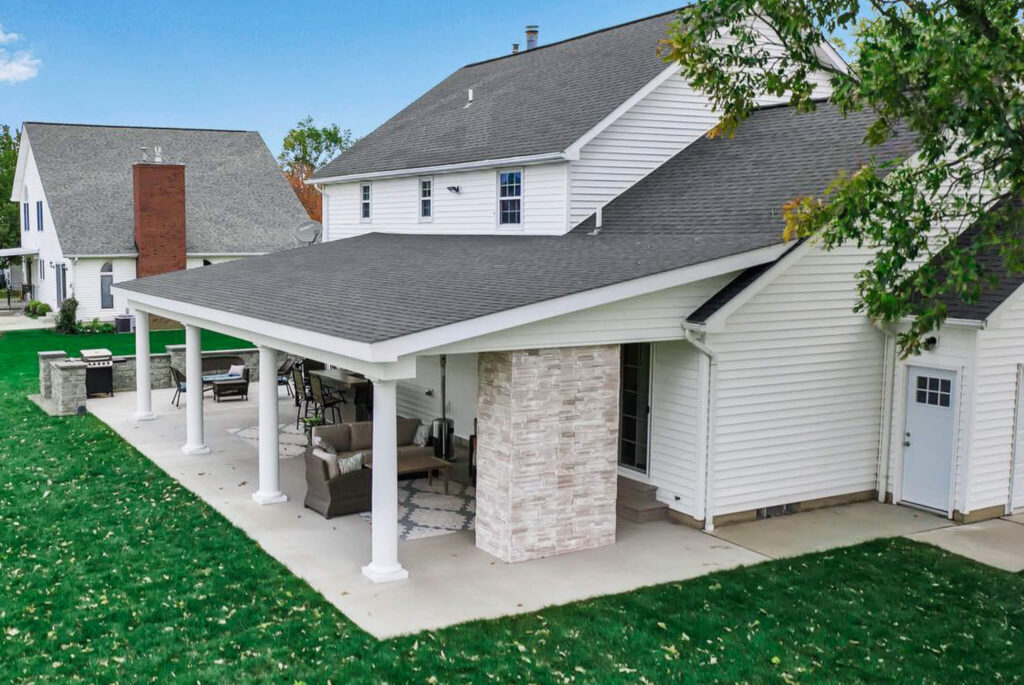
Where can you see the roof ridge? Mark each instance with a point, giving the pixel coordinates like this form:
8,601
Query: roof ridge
151,128
569,40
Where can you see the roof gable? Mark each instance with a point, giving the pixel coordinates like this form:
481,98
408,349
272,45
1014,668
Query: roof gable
236,200
535,102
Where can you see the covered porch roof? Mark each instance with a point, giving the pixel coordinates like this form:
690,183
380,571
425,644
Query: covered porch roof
380,297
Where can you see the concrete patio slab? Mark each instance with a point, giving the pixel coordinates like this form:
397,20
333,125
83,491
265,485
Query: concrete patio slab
821,529
450,580
995,542
1015,518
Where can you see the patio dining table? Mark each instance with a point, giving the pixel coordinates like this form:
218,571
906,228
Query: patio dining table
340,377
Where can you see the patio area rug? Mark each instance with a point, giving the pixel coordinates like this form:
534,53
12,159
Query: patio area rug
425,511
291,440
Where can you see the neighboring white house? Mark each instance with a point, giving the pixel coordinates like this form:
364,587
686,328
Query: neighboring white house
612,297
77,196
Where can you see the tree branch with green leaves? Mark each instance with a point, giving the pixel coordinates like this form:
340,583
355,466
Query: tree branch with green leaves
947,74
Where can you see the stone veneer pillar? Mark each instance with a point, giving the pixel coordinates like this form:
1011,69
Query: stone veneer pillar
548,427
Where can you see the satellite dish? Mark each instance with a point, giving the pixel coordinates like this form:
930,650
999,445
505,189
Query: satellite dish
308,231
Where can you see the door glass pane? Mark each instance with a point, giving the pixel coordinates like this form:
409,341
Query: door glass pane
634,405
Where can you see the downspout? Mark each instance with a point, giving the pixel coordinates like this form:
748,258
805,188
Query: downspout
695,336
885,433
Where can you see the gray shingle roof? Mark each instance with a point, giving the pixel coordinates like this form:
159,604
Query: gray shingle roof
236,200
738,186
538,101
381,286
997,284
714,199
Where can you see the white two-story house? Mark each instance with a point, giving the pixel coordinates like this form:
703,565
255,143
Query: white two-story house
105,204
609,298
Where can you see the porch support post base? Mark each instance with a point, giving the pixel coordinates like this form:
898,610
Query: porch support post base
195,449
269,497
385,574
148,416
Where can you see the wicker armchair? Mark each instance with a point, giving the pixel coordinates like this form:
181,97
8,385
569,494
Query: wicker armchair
330,493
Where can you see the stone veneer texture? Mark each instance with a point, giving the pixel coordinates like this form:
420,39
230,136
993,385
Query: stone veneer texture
547,451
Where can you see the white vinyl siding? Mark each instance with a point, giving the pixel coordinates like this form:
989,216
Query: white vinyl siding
645,318
675,401
1000,350
44,240
657,127
461,374
471,210
798,389
84,282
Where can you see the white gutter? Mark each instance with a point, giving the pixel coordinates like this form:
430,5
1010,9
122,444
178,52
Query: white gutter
959,323
705,436
442,168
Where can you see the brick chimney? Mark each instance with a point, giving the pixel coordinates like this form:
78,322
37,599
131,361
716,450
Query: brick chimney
159,217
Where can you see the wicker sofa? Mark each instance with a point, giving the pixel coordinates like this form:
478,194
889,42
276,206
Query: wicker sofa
331,493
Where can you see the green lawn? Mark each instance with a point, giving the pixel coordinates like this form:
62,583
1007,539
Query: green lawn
111,572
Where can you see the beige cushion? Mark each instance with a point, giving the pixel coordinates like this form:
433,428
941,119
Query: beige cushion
406,430
330,460
350,464
362,435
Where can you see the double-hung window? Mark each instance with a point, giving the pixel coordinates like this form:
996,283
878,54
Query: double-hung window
426,199
106,283
364,201
24,216
39,215
42,269
510,197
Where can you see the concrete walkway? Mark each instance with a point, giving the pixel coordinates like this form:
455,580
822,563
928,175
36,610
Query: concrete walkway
997,542
821,529
450,581
16,321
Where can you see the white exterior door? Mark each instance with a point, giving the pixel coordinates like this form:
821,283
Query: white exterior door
929,440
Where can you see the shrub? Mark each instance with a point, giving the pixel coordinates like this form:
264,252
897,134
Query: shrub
36,308
67,318
95,326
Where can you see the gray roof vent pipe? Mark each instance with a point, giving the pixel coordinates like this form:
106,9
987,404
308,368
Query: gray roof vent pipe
531,36
515,48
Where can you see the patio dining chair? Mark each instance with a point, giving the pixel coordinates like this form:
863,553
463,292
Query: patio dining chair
303,398
325,397
283,373
178,380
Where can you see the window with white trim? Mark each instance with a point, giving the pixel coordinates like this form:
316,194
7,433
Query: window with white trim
39,215
426,199
24,216
510,197
42,269
364,201
106,283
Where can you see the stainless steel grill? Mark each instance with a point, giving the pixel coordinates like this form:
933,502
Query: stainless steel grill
99,372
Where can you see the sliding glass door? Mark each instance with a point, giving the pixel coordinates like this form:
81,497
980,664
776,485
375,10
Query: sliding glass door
635,406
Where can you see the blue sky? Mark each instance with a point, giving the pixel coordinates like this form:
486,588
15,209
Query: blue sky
259,66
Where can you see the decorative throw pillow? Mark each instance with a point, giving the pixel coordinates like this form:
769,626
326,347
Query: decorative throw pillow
350,464
236,370
422,435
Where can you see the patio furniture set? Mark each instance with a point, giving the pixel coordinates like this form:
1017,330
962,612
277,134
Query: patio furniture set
226,376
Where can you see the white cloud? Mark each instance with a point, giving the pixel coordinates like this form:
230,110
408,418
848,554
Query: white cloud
7,37
21,66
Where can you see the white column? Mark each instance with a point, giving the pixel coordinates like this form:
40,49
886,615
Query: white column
194,440
269,491
384,566
143,384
